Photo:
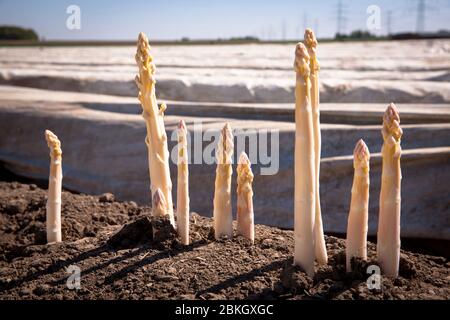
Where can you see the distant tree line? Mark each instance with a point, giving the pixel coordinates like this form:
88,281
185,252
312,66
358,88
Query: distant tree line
17,33
440,34
356,35
365,35
232,39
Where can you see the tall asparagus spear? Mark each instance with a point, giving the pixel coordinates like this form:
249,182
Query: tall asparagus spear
311,45
356,245
388,238
183,186
245,220
304,204
156,140
53,207
223,219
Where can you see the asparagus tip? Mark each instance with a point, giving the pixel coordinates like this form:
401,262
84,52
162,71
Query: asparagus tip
301,64
158,198
243,159
50,135
310,38
53,143
225,148
392,112
244,172
226,127
301,52
227,137
391,121
142,37
182,125
361,151
52,139
142,46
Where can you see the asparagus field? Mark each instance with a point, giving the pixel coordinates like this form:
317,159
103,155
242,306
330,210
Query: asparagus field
291,138
357,72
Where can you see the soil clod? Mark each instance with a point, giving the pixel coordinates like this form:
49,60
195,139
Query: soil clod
106,197
143,231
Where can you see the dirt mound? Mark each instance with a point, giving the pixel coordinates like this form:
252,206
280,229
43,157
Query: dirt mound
131,255
22,214
143,231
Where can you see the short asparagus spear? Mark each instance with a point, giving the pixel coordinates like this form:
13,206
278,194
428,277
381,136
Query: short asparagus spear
159,204
356,245
183,185
245,220
54,188
311,45
388,238
304,201
223,219
156,140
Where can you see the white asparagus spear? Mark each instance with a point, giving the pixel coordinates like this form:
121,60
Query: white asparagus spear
159,204
183,185
156,140
245,219
53,207
356,245
388,238
223,218
304,201
311,45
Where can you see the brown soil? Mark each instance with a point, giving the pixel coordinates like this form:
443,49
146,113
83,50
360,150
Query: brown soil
144,260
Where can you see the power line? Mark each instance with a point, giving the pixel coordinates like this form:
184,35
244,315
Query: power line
420,23
340,18
389,22
272,33
305,21
422,9
283,30
316,27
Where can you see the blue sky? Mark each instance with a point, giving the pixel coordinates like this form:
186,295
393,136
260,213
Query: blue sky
211,19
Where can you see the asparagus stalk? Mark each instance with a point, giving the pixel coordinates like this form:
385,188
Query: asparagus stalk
53,207
159,204
156,140
223,219
183,185
304,201
356,245
388,238
245,220
311,45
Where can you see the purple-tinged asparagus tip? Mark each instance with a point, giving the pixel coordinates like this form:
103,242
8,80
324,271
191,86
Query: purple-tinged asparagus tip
158,198
391,113
182,125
